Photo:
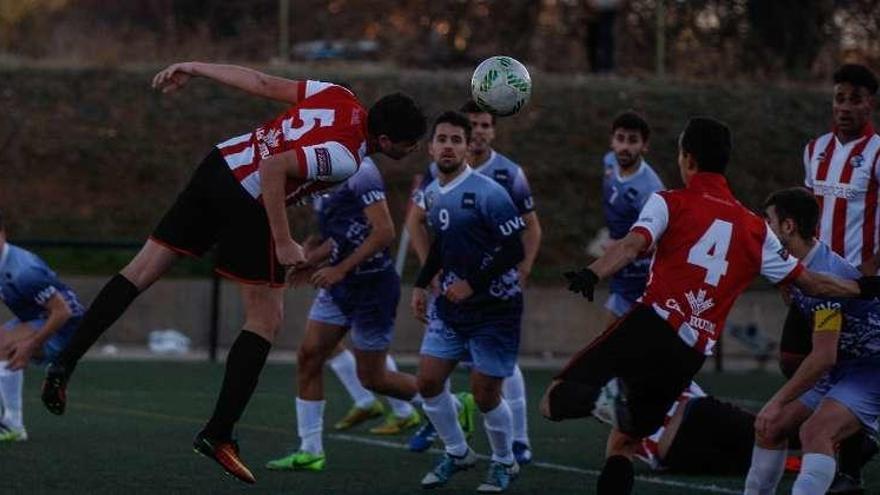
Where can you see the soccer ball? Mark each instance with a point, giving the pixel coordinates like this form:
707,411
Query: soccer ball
501,85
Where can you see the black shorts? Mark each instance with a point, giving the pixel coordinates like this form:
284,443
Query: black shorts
647,355
714,437
214,210
797,335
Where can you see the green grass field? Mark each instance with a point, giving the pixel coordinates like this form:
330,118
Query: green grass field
129,426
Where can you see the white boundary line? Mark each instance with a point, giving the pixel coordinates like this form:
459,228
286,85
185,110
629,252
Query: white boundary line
341,437
544,465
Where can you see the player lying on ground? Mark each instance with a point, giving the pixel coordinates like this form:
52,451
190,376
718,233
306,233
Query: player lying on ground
491,163
705,435
658,347
46,314
236,202
475,250
358,291
835,391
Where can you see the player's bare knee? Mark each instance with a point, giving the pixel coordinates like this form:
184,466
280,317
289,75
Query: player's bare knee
568,400
430,386
814,433
486,398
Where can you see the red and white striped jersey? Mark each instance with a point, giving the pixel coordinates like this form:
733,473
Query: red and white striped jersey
844,178
326,129
649,450
709,248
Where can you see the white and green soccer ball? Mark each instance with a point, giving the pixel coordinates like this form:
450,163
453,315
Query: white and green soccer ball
501,85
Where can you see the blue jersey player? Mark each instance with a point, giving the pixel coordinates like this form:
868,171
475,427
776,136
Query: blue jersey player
46,313
835,392
628,183
489,162
474,253
358,292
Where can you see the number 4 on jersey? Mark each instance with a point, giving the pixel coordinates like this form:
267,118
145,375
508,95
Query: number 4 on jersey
710,252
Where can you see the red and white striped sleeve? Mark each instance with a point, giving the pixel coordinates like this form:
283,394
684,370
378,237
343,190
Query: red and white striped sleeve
777,265
653,219
808,155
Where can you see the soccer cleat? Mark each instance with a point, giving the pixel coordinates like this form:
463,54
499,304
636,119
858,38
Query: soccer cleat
54,394
845,484
395,426
522,452
467,413
449,465
423,438
225,453
10,434
611,407
499,477
299,461
793,464
357,415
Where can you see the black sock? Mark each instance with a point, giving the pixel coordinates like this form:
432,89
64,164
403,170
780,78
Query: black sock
106,308
243,366
617,477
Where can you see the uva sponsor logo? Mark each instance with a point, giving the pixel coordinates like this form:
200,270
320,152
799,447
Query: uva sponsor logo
372,197
468,200
529,203
322,162
515,224
501,176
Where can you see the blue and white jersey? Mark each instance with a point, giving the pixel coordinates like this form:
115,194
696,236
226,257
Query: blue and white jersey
860,330
469,217
499,168
342,219
27,283
622,201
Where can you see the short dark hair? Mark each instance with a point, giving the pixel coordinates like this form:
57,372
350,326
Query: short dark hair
631,121
710,143
799,205
453,118
858,75
471,106
397,116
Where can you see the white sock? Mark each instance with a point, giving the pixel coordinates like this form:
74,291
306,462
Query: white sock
11,383
447,388
345,368
499,428
441,411
513,389
817,473
310,425
400,408
765,472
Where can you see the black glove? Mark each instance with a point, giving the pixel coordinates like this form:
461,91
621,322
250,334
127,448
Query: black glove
869,287
584,281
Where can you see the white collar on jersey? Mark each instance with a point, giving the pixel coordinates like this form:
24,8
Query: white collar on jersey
4,255
485,164
456,181
640,171
812,254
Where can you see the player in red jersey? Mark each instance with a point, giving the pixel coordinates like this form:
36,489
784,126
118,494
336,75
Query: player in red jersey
708,248
236,202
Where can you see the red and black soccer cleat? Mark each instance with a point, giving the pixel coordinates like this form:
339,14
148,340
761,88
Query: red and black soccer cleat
225,453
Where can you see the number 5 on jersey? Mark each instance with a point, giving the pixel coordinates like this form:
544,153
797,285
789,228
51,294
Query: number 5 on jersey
710,252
